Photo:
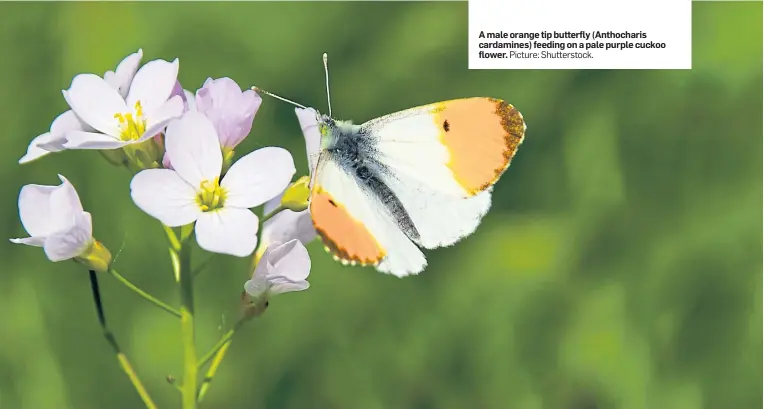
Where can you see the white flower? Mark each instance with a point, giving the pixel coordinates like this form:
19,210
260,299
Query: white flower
54,140
54,219
118,120
191,191
283,268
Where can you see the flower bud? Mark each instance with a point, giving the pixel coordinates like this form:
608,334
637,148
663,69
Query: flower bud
96,257
228,155
252,307
144,155
296,196
114,156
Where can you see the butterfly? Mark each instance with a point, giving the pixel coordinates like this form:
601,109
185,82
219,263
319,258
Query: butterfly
417,179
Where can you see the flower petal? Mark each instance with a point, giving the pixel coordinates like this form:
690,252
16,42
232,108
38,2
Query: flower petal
258,177
30,241
121,78
54,140
171,109
45,209
189,100
92,140
228,231
285,286
153,84
95,102
230,110
186,95
64,205
34,209
257,286
35,150
72,241
308,119
192,146
68,121
165,196
290,260
288,225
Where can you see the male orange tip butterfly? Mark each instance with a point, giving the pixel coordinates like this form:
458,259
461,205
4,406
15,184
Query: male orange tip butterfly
418,178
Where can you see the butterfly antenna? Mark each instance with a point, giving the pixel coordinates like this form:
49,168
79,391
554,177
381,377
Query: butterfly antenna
262,91
326,74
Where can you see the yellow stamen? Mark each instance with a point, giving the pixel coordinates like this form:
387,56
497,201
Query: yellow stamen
211,196
131,127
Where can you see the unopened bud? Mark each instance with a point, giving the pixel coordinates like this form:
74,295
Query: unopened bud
297,195
144,155
228,155
253,307
96,257
114,156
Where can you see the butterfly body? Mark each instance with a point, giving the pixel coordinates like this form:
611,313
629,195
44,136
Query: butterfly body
421,177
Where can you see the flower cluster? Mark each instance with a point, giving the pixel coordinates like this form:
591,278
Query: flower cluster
180,145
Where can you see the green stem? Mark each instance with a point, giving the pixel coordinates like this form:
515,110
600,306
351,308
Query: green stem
171,237
145,295
226,337
124,363
212,370
190,369
216,355
275,211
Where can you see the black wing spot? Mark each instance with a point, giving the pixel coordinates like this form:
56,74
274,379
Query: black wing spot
331,202
446,126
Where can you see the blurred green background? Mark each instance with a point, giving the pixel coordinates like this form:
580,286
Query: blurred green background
620,267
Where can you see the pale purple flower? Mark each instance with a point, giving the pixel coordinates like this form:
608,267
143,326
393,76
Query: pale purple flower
230,110
283,268
53,141
193,192
121,121
54,219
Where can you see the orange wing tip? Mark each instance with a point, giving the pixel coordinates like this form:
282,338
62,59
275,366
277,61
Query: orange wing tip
482,136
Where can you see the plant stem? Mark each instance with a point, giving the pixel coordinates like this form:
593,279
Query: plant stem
216,354
142,293
224,340
212,370
124,363
190,369
274,212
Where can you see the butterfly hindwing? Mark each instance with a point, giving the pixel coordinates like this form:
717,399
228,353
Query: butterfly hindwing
355,226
